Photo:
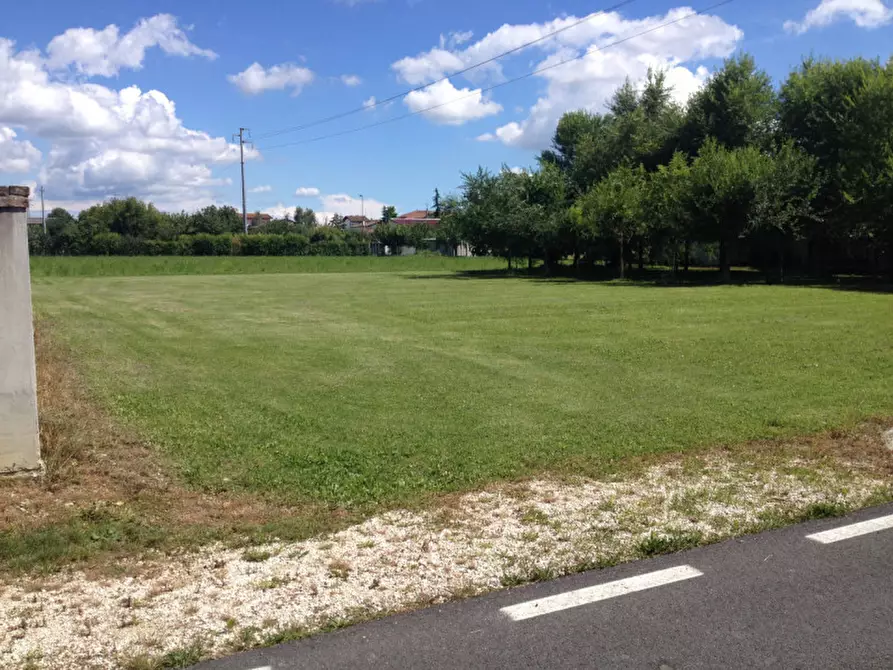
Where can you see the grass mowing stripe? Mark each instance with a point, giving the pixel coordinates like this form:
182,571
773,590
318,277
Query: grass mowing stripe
139,266
377,388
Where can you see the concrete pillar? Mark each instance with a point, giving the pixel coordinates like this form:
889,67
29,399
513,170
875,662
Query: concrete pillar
19,442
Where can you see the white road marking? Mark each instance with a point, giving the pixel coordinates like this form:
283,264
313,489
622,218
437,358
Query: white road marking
853,530
592,594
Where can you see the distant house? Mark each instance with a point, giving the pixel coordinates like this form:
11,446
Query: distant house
360,223
416,217
424,217
253,219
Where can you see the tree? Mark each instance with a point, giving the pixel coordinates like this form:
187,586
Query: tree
388,212
546,211
215,220
437,203
614,208
390,236
572,128
305,217
493,214
667,207
592,157
337,221
64,235
57,219
783,200
724,183
840,113
656,137
736,107
449,233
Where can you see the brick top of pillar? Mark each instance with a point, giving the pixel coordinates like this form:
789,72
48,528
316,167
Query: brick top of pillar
14,197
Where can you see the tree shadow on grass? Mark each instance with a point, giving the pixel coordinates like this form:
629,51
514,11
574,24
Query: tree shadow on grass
664,278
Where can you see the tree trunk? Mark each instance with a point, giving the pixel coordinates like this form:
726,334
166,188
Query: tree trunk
510,263
890,250
725,270
529,264
641,257
576,262
781,265
675,259
687,258
622,260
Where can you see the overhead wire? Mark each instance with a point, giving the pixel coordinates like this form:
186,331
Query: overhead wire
481,91
397,96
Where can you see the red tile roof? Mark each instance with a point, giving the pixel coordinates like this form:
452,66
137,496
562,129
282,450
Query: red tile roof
403,221
416,214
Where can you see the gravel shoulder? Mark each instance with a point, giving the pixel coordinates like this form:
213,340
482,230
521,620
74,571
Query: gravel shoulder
225,600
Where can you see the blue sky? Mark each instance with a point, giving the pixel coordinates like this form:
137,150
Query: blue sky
101,99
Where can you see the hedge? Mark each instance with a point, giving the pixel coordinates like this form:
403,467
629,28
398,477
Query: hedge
113,244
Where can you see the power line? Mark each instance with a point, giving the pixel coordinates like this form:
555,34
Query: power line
501,84
492,59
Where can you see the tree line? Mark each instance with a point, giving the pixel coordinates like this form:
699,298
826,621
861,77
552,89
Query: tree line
795,177
131,227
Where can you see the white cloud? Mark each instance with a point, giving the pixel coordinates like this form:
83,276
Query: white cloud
106,142
346,205
428,67
517,170
587,83
351,80
330,205
280,211
510,133
105,52
486,137
17,155
261,189
256,78
864,13
443,103
455,39
370,103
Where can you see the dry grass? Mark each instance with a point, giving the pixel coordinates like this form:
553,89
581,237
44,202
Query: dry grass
100,478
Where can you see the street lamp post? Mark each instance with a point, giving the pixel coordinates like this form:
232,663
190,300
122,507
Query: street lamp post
362,206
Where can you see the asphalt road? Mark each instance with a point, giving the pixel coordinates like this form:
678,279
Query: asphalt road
775,600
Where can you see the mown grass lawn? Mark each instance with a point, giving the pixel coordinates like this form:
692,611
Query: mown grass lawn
140,266
375,388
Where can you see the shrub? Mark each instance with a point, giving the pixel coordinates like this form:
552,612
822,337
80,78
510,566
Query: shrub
252,245
205,244
106,244
295,245
130,246
37,241
161,248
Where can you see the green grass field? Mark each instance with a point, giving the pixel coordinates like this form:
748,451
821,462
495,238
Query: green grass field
362,388
138,266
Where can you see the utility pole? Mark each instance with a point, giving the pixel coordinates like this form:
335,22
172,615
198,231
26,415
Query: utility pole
362,206
43,212
241,137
